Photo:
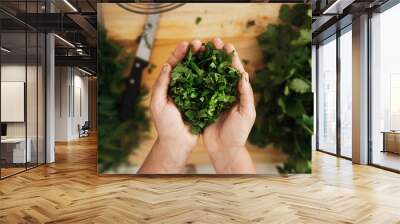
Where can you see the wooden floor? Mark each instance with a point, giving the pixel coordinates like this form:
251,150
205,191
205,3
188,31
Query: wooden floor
387,159
70,191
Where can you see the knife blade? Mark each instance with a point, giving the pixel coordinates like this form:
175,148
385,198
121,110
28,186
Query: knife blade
140,62
147,39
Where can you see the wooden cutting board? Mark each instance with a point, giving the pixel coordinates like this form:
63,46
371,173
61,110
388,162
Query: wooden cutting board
227,21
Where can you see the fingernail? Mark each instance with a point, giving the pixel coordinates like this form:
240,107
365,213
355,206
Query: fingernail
165,68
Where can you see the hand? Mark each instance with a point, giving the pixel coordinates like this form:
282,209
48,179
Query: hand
225,139
175,140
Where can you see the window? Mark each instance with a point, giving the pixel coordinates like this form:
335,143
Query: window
327,96
22,77
346,92
385,89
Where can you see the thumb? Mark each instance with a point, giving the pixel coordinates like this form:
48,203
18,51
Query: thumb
160,87
246,98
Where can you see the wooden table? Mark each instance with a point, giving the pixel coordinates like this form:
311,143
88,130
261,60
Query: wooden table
391,141
227,21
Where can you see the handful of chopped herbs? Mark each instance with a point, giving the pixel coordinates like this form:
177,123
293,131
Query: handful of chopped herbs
203,85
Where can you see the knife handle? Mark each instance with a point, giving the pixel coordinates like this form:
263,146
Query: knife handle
132,91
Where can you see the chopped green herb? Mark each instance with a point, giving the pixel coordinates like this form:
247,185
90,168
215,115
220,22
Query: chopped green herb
151,67
198,20
250,23
204,85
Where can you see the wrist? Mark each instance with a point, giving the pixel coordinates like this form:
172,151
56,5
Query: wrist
216,149
232,160
165,157
220,152
175,144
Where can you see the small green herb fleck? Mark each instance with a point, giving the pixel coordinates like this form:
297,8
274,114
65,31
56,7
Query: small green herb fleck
198,20
250,23
151,67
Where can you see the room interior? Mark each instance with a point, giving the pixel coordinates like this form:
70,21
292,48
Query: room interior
26,64
336,83
22,101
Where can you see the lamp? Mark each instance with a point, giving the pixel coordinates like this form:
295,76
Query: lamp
70,5
5,50
64,40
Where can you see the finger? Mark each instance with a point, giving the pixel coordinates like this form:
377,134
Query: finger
196,45
160,87
236,63
218,43
178,54
246,96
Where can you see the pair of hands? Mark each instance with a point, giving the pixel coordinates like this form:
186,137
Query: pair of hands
224,140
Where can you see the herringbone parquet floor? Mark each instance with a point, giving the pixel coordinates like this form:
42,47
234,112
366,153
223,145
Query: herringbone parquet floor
70,191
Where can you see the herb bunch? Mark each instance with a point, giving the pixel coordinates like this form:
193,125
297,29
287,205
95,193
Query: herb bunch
203,86
117,138
285,106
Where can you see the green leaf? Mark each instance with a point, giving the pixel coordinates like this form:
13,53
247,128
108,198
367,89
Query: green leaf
304,38
286,91
299,85
281,103
294,107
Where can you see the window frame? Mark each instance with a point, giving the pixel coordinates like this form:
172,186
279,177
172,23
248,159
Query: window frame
333,37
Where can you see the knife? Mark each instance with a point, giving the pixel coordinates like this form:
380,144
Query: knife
140,62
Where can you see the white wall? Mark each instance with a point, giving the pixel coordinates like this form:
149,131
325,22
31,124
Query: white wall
71,94
12,73
62,81
33,127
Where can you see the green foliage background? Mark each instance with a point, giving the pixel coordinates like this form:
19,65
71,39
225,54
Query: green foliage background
285,109
116,138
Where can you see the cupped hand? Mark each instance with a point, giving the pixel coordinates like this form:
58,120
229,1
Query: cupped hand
175,140
165,115
226,138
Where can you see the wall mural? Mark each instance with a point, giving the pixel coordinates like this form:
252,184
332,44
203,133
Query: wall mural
189,89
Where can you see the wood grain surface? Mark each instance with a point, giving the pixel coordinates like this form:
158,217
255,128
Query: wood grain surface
70,191
227,21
